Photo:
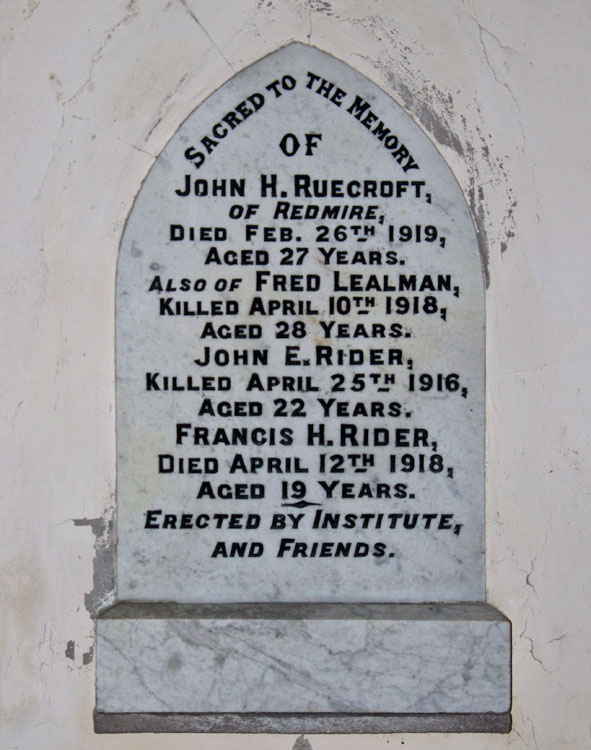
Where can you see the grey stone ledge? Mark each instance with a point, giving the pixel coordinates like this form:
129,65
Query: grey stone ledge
120,723
312,667
303,610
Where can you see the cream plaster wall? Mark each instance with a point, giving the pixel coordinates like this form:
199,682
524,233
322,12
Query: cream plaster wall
90,93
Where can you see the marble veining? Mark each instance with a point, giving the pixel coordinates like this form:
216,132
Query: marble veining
286,666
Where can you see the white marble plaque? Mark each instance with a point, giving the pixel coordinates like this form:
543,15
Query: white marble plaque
300,426
300,354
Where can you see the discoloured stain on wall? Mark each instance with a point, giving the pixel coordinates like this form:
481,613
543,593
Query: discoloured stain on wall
437,113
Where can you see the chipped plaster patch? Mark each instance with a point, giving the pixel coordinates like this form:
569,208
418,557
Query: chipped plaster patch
70,650
102,592
302,743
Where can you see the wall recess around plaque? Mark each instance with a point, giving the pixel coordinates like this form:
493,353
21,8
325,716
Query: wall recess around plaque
300,425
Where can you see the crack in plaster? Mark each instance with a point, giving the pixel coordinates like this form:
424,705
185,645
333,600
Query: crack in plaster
529,575
481,31
185,5
531,651
558,638
131,11
116,137
159,114
509,220
529,583
533,733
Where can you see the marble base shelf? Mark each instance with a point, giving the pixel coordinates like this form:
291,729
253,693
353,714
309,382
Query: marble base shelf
303,668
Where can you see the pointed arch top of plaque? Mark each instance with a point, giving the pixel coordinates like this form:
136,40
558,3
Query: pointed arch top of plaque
388,128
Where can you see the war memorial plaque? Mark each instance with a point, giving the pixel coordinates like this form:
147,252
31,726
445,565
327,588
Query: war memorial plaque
300,425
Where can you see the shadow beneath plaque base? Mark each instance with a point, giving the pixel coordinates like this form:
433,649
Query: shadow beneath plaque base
303,668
